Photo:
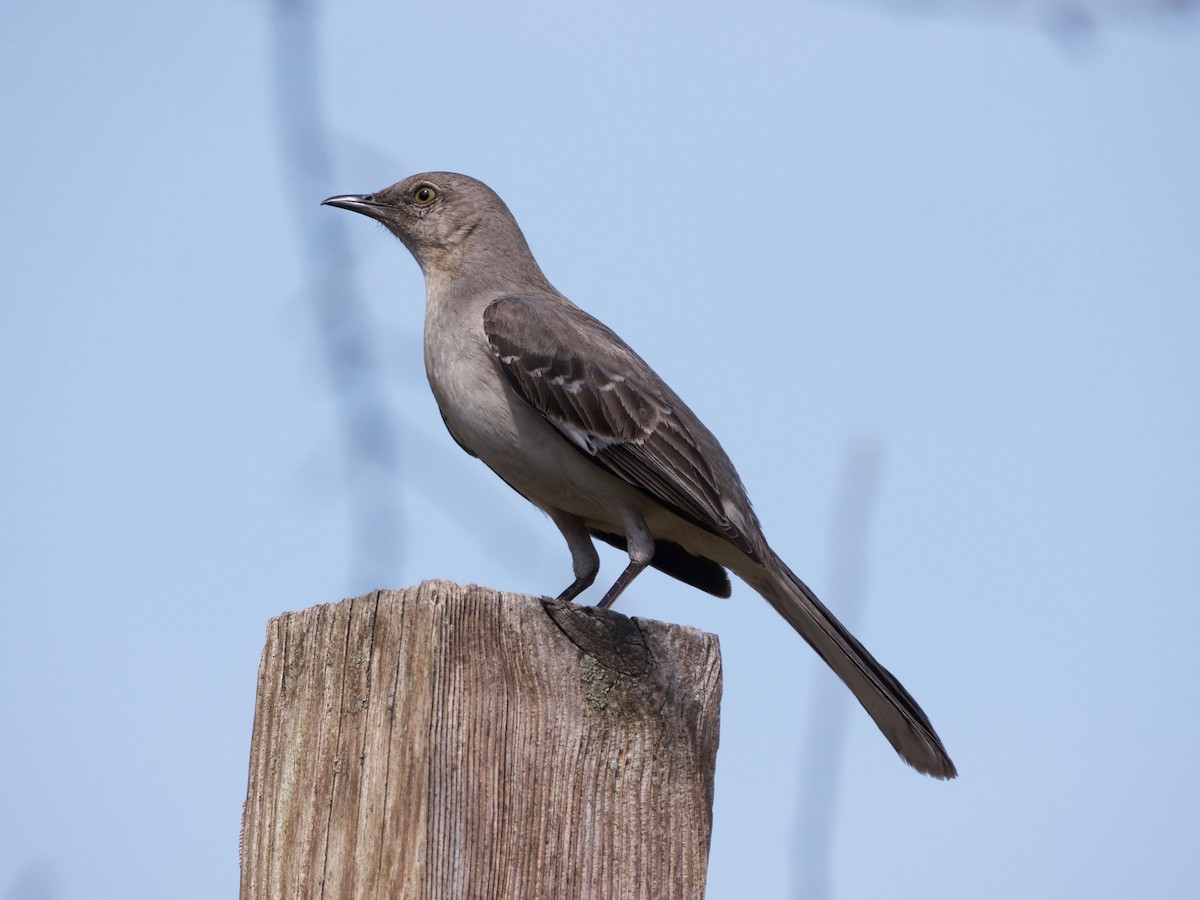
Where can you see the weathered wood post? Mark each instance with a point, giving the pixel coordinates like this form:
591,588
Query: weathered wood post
458,742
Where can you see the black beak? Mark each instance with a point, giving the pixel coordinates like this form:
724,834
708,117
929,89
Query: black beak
359,203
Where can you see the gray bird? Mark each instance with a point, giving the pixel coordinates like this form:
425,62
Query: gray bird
561,408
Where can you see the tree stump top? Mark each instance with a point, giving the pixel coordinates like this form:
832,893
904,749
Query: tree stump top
459,742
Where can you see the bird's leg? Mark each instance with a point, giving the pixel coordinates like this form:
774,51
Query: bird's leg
577,587
631,572
584,558
641,550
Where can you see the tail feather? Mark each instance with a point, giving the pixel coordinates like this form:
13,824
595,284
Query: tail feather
897,714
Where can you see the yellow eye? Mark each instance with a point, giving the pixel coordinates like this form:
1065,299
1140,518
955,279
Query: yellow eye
424,195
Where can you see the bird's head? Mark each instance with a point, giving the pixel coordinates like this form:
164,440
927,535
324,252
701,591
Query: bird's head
447,221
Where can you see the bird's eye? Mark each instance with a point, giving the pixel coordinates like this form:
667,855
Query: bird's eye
424,195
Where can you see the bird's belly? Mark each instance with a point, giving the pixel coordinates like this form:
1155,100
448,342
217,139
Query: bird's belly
515,441
532,456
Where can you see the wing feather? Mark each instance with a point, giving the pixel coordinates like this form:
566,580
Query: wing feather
607,401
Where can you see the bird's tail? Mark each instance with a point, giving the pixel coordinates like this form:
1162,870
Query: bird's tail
894,710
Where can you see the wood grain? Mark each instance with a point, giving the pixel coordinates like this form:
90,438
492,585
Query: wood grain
455,742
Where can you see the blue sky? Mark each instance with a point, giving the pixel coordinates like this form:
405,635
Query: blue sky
959,241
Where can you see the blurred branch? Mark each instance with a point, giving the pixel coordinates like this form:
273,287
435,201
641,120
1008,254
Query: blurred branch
1065,20
34,881
368,443
825,736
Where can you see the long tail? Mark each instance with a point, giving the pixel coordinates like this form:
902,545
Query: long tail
894,710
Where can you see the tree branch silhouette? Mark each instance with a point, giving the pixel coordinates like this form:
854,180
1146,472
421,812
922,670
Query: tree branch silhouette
369,455
825,736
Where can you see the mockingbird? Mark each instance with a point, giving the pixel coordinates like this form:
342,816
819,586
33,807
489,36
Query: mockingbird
577,423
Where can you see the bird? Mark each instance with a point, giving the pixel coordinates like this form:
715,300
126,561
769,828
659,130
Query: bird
567,414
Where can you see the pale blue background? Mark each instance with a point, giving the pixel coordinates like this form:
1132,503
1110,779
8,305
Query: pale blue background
961,239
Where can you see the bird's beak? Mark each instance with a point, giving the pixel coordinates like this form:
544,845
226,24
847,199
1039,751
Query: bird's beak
359,203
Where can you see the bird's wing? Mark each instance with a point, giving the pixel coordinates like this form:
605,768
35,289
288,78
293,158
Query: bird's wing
611,405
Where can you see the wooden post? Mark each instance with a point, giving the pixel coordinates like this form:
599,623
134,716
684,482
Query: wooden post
451,743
